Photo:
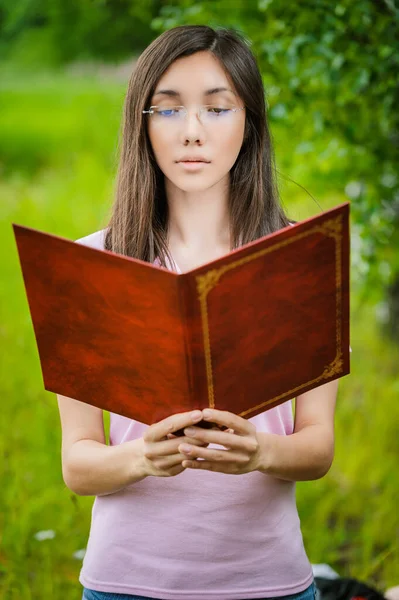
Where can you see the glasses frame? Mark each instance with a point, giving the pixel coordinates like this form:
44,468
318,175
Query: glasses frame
150,111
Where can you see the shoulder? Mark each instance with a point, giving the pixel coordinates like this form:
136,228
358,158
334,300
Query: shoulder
94,240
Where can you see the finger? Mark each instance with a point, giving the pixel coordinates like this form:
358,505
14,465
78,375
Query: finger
207,465
158,431
212,454
154,450
168,462
204,425
192,441
214,436
171,436
240,425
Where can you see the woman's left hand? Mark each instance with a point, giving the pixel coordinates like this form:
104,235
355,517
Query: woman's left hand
242,449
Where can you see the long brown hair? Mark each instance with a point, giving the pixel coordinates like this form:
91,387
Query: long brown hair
139,218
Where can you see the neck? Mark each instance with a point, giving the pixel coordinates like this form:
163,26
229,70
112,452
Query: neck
199,221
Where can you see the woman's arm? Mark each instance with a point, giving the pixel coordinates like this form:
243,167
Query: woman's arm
309,451
91,468
305,454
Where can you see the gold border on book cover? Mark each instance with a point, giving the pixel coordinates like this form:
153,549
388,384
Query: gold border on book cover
205,283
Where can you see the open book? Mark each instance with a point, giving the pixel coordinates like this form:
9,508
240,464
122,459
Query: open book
243,333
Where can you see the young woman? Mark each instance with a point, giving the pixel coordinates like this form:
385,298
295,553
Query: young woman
211,515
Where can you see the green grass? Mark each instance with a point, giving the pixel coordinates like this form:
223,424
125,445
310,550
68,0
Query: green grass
58,136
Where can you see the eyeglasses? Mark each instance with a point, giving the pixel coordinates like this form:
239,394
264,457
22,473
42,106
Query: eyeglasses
208,114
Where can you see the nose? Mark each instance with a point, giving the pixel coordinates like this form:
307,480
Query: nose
192,129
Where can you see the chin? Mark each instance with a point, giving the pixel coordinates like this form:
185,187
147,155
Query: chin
193,186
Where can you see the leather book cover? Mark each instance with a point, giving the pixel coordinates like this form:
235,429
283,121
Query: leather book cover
243,333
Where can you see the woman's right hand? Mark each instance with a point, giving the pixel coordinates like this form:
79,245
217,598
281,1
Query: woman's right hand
160,454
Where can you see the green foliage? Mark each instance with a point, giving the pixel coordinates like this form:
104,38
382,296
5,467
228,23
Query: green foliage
55,32
352,509
58,177
74,108
330,73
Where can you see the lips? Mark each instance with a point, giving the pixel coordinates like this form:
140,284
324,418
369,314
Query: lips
193,165
194,159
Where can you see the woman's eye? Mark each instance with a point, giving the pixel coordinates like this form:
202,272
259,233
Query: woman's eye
216,110
167,112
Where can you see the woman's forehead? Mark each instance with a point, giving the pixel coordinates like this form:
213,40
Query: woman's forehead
200,72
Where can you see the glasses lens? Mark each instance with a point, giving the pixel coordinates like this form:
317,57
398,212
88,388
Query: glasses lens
168,113
208,114
217,114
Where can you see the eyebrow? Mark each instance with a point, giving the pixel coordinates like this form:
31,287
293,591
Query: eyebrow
210,92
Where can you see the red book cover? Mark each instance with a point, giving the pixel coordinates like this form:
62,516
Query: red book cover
243,333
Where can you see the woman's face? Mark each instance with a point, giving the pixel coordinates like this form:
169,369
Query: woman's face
214,138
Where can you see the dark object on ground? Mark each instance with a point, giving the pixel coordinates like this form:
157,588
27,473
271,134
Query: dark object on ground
345,588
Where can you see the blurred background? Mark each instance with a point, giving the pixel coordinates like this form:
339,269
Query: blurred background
330,74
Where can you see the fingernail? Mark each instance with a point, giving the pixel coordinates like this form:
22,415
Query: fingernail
189,431
207,413
196,415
